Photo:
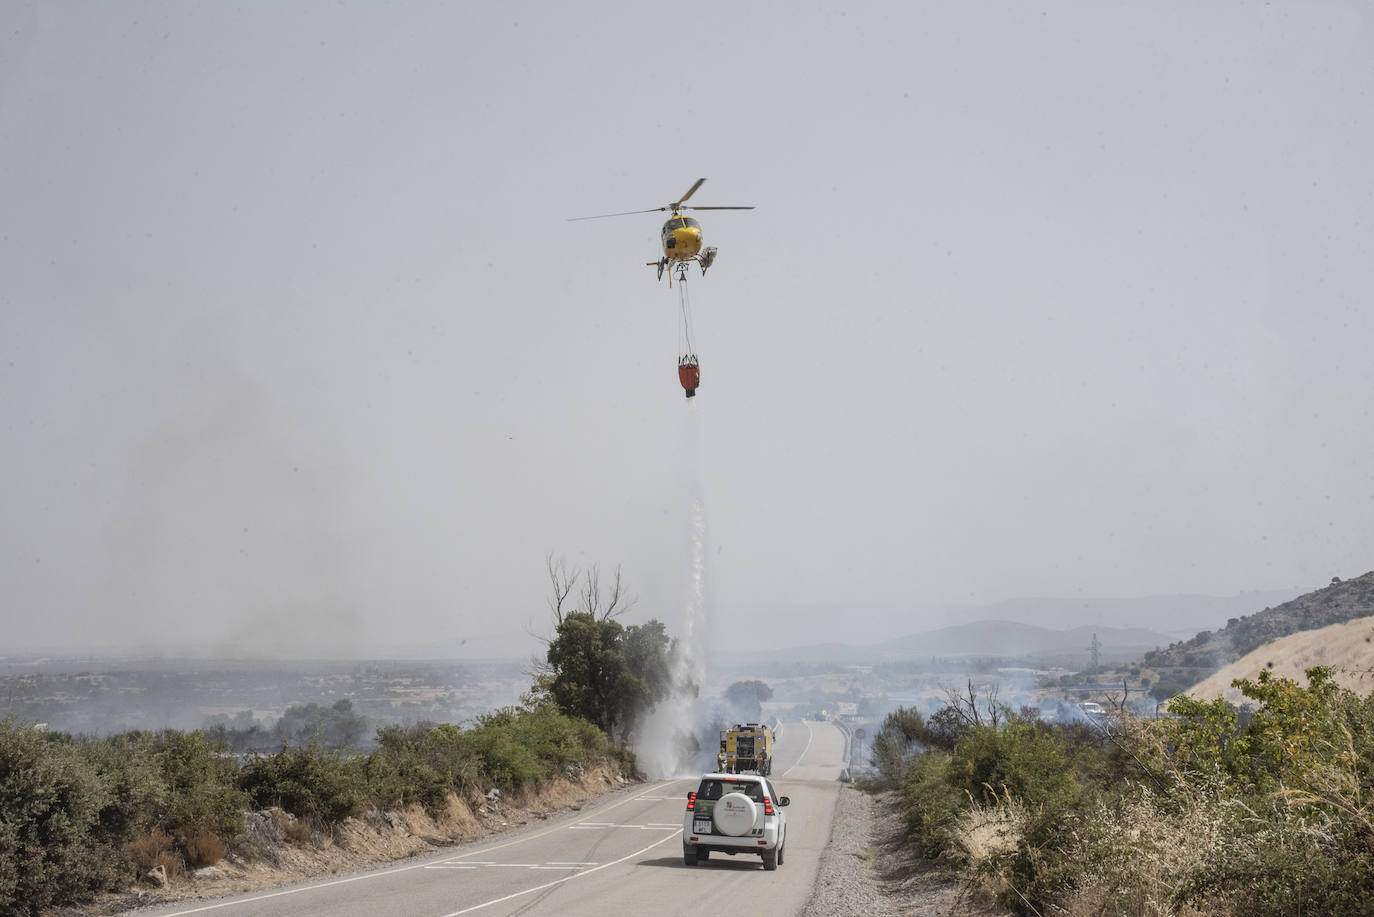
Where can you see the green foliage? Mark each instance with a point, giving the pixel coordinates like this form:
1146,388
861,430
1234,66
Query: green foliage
202,784
506,761
904,731
422,764
518,747
309,782
82,815
509,749
1211,810
1020,757
51,849
605,673
931,804
138,794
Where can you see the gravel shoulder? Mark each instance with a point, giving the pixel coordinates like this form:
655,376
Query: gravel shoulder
865,869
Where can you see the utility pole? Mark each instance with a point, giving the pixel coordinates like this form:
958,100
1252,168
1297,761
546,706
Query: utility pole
1096,652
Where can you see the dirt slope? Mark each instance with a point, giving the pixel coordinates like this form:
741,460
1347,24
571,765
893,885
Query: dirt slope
1347,647
277,848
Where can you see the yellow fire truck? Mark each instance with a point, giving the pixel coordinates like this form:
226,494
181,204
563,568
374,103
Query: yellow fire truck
746,748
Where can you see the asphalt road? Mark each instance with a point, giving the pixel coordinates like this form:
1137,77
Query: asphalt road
622,855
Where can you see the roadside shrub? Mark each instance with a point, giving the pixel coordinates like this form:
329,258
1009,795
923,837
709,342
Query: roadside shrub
202,784
1022,758
1212,810
420,764
507,762
172,864
152,850
931,805
51,850
138,794
144,851
511,748
555,739
297,832
307,782
203,848
903,733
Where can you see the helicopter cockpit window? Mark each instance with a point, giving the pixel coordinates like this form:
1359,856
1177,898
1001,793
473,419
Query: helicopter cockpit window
676,223
691,223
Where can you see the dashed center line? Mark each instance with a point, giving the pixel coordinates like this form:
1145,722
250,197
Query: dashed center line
603,826
454,864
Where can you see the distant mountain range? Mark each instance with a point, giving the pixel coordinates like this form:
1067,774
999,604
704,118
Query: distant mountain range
1009,640
1039,631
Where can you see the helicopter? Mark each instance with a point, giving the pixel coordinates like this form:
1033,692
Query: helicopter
681,236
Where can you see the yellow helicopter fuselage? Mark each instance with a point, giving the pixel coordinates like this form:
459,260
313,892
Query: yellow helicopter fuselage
681,238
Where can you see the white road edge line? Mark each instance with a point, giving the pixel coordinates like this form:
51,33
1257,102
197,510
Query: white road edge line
585,872
809,735
388,872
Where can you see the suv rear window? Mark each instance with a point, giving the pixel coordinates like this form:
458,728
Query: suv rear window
711,789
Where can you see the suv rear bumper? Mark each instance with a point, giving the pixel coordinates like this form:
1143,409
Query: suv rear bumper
748,843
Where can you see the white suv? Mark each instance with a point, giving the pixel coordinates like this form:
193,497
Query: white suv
734,813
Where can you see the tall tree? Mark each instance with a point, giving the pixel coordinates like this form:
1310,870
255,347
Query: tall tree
594,667
748,696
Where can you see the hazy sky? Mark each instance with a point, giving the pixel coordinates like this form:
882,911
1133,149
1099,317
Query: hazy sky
298,352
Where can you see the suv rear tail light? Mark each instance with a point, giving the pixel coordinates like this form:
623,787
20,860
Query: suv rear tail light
691,802
767,806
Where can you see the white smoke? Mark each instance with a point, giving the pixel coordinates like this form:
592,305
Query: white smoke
666,745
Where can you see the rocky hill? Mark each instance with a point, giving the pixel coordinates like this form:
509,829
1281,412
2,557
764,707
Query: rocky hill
1188,662
1346,648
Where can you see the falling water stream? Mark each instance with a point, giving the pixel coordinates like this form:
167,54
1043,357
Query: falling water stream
665,745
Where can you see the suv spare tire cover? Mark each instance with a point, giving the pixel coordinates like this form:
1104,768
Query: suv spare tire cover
734,814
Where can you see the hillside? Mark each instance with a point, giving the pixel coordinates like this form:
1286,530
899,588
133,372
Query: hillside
1347,647
1341,601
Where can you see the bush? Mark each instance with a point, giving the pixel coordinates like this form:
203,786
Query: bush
144,852
422,764
202,786
308,782
1025,759
138,793
903,733
1212,810
51,849
931,805
78,816
203,848
507,762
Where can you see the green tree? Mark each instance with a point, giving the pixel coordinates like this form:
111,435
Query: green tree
331,727
595,668
748,697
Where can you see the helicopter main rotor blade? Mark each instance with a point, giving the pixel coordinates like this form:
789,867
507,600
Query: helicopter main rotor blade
602,216
690,191
717,208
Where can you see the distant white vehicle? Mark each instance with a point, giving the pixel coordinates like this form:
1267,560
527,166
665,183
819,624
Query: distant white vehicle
1092,708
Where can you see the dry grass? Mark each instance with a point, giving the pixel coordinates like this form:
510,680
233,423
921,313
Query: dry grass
987,832
172,863
203,848
1348,648
145,852
1142,856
